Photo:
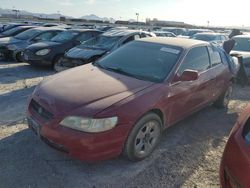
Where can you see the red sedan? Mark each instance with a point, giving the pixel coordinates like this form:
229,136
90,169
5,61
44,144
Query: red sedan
235,165
122,102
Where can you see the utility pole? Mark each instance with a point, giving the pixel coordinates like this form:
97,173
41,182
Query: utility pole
137,16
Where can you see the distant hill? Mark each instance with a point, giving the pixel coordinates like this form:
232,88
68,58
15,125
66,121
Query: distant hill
54,16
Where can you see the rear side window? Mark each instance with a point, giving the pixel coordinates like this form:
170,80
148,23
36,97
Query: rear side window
214,56
197,59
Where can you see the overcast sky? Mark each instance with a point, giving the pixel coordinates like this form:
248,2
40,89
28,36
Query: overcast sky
217,12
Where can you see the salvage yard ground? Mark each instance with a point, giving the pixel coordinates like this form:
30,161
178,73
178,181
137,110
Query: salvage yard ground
188,155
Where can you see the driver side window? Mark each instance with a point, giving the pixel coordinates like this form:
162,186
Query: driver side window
197,59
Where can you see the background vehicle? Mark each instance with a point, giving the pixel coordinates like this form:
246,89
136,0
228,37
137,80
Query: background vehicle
242,48
11,25
50,52
192,32
95,48
159,80
164,34
176,30
216,38
14,31
235,164
12,47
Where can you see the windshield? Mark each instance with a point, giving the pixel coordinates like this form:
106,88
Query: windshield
12,31
242,44
64,36
101,41
205,37
142,60
27,34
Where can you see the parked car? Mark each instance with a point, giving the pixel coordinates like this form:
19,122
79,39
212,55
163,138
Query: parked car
192,32
176,30
242,48
216,38
11,25
12,47
164,34
97,47
50,52
123,102
14,31
235,164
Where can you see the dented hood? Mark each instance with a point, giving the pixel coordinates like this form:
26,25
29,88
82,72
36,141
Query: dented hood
85,54
88,88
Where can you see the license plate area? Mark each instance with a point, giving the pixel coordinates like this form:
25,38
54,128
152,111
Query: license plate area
34,126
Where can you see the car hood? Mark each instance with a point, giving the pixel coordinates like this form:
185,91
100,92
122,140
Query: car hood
86,53
86,87
8,40
243,53
42,45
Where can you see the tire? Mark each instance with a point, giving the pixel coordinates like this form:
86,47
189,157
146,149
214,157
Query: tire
56,63
143,138
18,57
223,100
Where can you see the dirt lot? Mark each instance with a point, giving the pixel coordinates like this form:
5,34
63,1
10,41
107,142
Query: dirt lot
188,156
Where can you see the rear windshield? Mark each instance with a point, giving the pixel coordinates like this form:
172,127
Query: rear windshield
28,34
65,36
204,37
102,42
142,60
242,44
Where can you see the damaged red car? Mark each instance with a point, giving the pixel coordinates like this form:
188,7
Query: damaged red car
235,164
121,103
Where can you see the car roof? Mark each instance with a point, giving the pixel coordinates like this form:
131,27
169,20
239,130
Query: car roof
178,42
205,33
242,36
163,32
48,28
27,26
120,33
83,30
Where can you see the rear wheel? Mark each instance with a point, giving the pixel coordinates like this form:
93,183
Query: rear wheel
18,57
223,100
143,138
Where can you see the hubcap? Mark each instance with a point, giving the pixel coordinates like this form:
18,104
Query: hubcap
147,138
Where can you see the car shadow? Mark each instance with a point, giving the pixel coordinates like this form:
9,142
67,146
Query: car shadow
181,151
11,72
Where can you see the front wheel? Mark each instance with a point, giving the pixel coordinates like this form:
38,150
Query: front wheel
223,100
143,138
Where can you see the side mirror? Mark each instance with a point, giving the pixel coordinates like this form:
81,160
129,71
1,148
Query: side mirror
189,75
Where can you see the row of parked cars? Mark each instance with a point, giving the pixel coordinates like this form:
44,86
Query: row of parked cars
121,103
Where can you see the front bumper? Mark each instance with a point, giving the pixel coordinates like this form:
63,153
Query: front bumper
235,165
80,145
33,59
5,52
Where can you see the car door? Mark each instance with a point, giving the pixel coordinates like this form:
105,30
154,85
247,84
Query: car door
219,72
185,97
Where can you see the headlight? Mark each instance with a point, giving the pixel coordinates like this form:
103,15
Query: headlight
43,52
11,47
89,125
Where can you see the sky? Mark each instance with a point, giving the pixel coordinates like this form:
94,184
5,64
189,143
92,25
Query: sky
198,12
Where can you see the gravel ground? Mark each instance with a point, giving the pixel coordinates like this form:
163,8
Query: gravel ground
188,155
